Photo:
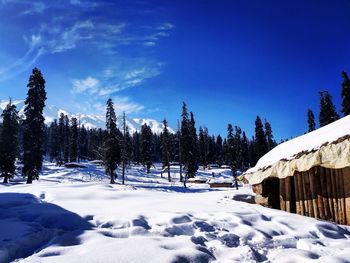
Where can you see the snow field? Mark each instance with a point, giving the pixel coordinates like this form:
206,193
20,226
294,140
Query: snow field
74,215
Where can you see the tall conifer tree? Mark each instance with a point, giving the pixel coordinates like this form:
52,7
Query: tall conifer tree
33,126
311,120
8,142
193,161
111,144
345,94
73,141
328,113
166,148
66,143
146,147
54,142
270,142
230,147
260,138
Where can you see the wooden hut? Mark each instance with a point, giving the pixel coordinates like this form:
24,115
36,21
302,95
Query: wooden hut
308,175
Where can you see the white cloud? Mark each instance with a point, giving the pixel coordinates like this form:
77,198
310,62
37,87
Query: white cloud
89,85
35,8
66,31
165,26
149,43
127,105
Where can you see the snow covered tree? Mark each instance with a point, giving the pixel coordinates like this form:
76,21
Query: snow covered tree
33,126
111,145
260,138
146,147
345,94
328,113
166,148
8,142
73,140
311,120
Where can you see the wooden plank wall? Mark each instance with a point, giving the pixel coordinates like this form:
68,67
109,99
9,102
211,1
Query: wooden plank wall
321,193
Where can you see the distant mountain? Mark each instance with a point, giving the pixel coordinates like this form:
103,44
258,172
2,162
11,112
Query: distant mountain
52,112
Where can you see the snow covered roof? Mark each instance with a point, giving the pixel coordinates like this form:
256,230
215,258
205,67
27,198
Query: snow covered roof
313,144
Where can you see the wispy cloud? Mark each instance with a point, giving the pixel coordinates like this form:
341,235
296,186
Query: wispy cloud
125,104
122,104
118,77
117,39
34,8
89,85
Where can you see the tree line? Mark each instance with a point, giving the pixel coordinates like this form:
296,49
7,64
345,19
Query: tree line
328,112
28,140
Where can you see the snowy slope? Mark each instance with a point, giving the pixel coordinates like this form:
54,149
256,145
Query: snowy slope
309,141
74,215
52,112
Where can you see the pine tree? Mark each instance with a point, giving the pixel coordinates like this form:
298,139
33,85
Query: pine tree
270,142
8,142
260,138
146,147
345,94
188,144
238,147
226,151
73,141
33,126
54,143
252,152
66,143
61,135
328,112
111,145
245,151
203,146
192,166
129,145
124,153
230,151
311,121
136,147
83,143
219,150
166,148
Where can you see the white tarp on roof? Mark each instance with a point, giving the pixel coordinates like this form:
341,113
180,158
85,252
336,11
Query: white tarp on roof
275,163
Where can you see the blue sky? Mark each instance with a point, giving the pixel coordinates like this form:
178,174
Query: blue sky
229,60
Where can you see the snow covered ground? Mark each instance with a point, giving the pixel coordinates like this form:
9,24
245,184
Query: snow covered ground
74,215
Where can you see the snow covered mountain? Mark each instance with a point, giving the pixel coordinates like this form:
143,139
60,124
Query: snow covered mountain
52,112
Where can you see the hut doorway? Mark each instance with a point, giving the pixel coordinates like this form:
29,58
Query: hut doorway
293,208
271,190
